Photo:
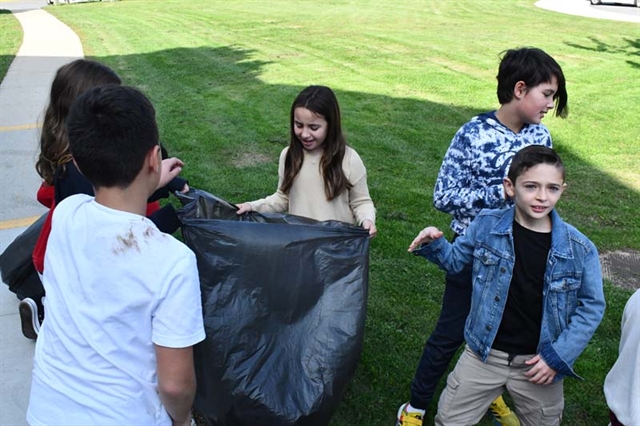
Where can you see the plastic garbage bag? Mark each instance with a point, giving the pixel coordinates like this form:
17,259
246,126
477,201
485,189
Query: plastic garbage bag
284,304
16,263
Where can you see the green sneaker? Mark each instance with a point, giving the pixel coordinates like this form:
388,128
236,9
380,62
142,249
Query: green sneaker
502,414
408,418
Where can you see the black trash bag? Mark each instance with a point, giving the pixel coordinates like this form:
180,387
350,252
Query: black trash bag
16,263
284,304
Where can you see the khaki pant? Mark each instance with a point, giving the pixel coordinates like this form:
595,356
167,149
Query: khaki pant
473,385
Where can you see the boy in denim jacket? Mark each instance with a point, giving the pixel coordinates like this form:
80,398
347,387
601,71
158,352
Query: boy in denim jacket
531,84
537,297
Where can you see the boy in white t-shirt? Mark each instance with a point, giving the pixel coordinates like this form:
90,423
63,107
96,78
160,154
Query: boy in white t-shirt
123,299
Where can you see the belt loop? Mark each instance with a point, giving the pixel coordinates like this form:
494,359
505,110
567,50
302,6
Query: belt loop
510,359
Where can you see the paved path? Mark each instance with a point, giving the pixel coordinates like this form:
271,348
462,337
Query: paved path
47,45
585,9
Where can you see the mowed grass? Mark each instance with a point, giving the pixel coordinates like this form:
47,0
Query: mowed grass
10,39
222,76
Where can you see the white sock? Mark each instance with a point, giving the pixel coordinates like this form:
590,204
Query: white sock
411,409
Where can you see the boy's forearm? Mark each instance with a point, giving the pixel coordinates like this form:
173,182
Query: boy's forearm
176,382
451,257
437,252
178,403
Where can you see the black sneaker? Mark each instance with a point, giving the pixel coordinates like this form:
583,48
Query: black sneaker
29,318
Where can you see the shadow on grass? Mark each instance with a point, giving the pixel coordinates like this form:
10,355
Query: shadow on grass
630,47
229,126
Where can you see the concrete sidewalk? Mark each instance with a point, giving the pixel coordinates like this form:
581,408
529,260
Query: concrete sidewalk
47,45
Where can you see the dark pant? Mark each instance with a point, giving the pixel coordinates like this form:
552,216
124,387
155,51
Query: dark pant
445,339
613,419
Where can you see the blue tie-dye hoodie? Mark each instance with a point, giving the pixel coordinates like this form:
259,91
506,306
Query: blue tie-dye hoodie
477,161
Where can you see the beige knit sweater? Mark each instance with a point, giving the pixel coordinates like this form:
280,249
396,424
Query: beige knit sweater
307,197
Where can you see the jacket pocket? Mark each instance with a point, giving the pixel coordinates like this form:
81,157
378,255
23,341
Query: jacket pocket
563,292
485,263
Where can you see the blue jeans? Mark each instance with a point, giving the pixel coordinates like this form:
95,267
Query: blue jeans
445,340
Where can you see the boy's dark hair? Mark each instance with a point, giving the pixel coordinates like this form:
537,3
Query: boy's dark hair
321,101
111,130
531,156
532,66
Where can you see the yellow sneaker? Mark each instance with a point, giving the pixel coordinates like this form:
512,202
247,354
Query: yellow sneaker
408,418
502,414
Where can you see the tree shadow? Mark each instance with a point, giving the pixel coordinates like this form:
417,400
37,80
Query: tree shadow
629,47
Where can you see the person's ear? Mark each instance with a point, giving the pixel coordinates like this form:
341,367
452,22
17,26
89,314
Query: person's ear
520,89
154,159
564,186
509,188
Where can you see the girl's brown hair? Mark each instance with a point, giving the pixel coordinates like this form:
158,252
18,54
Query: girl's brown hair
322,101
71,80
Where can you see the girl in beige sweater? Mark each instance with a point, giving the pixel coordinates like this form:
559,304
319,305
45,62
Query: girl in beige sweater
320,177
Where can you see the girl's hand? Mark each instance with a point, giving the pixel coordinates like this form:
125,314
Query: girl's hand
540,373
243,208
425,236
370,226
171,167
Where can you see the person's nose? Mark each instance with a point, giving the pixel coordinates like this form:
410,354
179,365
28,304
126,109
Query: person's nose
542,194
551,103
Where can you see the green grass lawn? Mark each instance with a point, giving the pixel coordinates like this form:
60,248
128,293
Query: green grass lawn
10,39
222,76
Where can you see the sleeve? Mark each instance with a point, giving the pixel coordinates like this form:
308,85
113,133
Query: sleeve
176,184
621,386
166,219
583,322
359,199
278,202
456,189
46,195
177,319
451,257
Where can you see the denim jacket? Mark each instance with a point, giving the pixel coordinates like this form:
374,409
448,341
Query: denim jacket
573,299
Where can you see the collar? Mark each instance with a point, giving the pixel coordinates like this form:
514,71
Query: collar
560,237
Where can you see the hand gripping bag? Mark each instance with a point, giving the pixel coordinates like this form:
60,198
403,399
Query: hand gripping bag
284,303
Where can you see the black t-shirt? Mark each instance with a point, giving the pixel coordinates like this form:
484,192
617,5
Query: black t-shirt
519,330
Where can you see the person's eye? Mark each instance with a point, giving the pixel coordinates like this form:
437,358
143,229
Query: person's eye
529,186
314,128
554,189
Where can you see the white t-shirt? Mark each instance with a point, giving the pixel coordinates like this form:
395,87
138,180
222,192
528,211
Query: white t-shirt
115,285
622,384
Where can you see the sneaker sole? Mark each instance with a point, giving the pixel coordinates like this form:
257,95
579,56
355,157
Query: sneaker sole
29,318
399,414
